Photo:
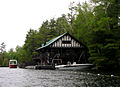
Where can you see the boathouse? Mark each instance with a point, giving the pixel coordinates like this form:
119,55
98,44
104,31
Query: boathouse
61,50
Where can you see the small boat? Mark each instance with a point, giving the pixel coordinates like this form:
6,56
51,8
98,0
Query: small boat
74,66
13,63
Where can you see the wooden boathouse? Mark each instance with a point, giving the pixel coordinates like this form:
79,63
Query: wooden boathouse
61,50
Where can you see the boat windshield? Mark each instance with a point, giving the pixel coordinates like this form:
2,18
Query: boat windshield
13,62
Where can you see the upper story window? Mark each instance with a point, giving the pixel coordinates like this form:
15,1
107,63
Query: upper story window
66,42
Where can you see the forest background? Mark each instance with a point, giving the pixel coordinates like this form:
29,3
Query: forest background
95,24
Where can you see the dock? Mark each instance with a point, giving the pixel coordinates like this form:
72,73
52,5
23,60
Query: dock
49,67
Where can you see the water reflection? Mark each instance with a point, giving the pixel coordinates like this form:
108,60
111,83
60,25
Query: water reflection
54,78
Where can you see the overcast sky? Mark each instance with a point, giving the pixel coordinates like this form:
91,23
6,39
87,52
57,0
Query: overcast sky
18,16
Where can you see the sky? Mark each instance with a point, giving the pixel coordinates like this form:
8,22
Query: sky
17,17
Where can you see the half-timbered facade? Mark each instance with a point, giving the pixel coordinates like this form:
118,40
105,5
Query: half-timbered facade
60,50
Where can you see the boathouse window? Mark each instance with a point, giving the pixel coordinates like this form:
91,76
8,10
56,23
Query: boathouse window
66,42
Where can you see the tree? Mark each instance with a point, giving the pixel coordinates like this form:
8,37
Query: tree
1,61
62,25
104,38
2,47
2,50
11,54
21,55
84,22
30,43
5,62
71,16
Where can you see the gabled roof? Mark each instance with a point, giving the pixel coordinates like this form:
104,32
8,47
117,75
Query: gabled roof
55,39
51,41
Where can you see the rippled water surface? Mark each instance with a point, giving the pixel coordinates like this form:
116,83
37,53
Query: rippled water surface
54,78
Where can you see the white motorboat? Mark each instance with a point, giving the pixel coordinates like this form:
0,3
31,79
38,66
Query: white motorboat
74,66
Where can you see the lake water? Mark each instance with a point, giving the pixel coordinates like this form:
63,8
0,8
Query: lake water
54,78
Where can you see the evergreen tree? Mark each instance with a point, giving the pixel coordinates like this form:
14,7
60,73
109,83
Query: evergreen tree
104,43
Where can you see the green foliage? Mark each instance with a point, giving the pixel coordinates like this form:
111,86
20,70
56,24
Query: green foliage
104,37
84,22
1,60
5,62
3,55
62,25
2,47
47,31
97,27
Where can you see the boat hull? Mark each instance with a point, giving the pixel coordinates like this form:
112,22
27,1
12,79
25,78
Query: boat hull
13,66
75,67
